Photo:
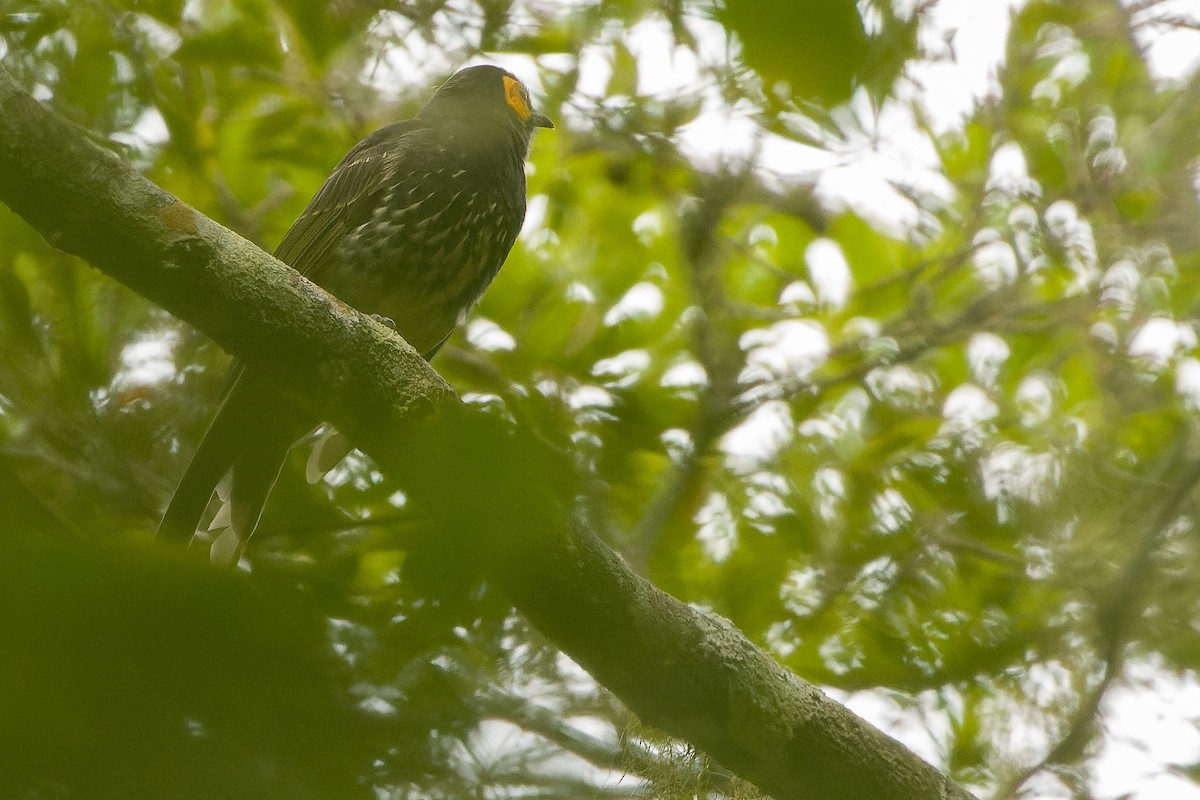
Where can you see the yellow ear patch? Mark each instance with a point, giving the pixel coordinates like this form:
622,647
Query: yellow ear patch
514,95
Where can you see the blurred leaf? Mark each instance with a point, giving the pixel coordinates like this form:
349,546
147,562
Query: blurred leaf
819,47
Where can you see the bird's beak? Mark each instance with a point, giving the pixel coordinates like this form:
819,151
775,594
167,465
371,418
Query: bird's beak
539,120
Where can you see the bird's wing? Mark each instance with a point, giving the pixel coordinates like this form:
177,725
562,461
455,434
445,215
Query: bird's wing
345,200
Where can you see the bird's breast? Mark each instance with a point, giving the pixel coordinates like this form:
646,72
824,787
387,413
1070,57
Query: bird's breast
434,239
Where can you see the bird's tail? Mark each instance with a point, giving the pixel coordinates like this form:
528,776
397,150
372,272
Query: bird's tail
242,451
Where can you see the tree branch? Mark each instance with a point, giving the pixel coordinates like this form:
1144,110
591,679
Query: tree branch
624,756
689,673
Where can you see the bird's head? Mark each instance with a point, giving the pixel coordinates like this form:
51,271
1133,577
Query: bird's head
486,94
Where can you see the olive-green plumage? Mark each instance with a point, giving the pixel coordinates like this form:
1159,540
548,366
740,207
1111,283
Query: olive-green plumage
412,225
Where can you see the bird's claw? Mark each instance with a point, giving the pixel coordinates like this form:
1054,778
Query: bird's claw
382,320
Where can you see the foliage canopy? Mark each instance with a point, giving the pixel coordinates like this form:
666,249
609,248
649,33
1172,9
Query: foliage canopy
946,457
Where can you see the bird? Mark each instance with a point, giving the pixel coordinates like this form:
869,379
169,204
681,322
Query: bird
411,226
